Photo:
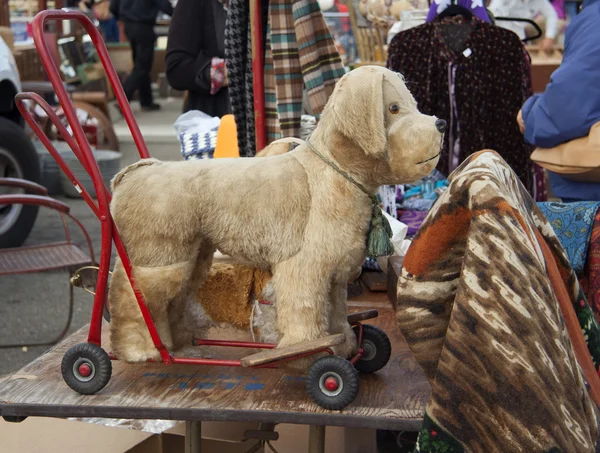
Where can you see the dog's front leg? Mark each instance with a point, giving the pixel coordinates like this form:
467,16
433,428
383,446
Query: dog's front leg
302,303
338,322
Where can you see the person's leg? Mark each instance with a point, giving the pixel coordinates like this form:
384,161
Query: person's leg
110,29
144,61
131,84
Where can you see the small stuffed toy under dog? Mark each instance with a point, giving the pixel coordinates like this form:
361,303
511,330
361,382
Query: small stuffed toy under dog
309,216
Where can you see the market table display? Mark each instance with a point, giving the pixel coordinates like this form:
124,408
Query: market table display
393,398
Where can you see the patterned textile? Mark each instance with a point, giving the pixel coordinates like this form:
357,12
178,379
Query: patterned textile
238,55
495,316
273,129
302,54
539,181
476,76
217,74
387,195
572,223
413,219
198,146
590,280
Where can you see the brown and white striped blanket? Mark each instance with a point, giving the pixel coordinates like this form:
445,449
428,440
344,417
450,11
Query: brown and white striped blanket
494,315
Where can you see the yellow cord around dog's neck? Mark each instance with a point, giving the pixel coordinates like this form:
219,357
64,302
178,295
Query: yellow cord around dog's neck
380,232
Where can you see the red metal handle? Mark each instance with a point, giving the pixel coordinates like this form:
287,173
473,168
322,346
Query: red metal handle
83,152
258,79
38,31
24,184
62,130
88,161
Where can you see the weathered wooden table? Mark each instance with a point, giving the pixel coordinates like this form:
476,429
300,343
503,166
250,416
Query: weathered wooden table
393,398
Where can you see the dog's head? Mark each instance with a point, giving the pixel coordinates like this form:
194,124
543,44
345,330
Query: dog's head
372,108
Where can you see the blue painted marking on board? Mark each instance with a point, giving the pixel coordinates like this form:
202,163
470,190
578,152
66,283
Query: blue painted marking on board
229,386
205,385
254,386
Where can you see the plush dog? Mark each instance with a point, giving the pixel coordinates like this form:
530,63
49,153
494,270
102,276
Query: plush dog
293,214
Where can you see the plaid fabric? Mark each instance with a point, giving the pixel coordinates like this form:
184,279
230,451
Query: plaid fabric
271,118
321,63
300,53
217,75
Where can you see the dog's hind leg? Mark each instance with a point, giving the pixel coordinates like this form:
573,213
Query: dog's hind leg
185,318
302,292
129,336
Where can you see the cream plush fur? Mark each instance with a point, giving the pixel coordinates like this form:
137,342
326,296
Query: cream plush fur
291,214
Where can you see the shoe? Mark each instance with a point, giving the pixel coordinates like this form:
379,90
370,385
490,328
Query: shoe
150,108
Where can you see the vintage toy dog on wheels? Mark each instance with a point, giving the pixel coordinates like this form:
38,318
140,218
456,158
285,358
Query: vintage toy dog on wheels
308,216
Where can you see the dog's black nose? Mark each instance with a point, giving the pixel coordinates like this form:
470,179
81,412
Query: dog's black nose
441,125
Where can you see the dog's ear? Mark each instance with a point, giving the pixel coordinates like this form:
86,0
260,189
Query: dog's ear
357,104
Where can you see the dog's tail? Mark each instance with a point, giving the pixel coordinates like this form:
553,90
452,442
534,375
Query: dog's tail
279,147
141,163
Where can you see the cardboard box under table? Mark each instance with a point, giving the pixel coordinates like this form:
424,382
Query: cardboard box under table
393,398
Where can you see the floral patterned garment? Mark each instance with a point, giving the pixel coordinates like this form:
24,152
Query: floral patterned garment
476,76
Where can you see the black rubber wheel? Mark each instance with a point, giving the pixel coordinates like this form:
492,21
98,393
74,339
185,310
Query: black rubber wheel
18,159
86,368
377,347
14,418
332,383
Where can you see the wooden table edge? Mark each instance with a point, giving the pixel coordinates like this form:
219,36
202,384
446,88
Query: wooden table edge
191,414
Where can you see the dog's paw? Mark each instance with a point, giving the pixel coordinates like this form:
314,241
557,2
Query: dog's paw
139,355
349,347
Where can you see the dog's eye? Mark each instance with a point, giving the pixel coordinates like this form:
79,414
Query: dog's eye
394,109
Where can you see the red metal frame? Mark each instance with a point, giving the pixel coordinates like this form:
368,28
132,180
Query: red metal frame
258,80
81,148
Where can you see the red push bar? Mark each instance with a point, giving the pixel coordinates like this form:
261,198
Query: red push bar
82,150
258,79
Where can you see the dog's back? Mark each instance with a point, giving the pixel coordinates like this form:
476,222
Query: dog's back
255,209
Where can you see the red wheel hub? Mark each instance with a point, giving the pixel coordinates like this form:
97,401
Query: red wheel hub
85,370
331,384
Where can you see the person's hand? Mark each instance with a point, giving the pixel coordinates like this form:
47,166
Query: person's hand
547,45
226,80
521,122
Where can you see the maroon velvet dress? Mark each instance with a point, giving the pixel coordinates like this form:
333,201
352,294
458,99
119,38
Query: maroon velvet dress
474,75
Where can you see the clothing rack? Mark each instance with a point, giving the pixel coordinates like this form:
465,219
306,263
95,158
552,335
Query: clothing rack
507,19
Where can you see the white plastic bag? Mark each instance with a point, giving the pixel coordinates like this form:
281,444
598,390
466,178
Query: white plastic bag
399,231
196,122
197,133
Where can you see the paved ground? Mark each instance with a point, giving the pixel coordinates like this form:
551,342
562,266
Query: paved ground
35,306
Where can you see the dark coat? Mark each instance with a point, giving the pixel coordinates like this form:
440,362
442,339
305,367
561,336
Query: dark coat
196,35
140,11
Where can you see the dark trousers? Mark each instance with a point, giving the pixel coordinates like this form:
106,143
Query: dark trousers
110,29
141,37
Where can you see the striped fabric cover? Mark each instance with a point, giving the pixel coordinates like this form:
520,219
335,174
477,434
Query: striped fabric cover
300,52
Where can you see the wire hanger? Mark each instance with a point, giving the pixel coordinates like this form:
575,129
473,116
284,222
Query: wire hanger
455,10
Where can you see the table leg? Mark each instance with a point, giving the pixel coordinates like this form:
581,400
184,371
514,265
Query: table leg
193,437
316,439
